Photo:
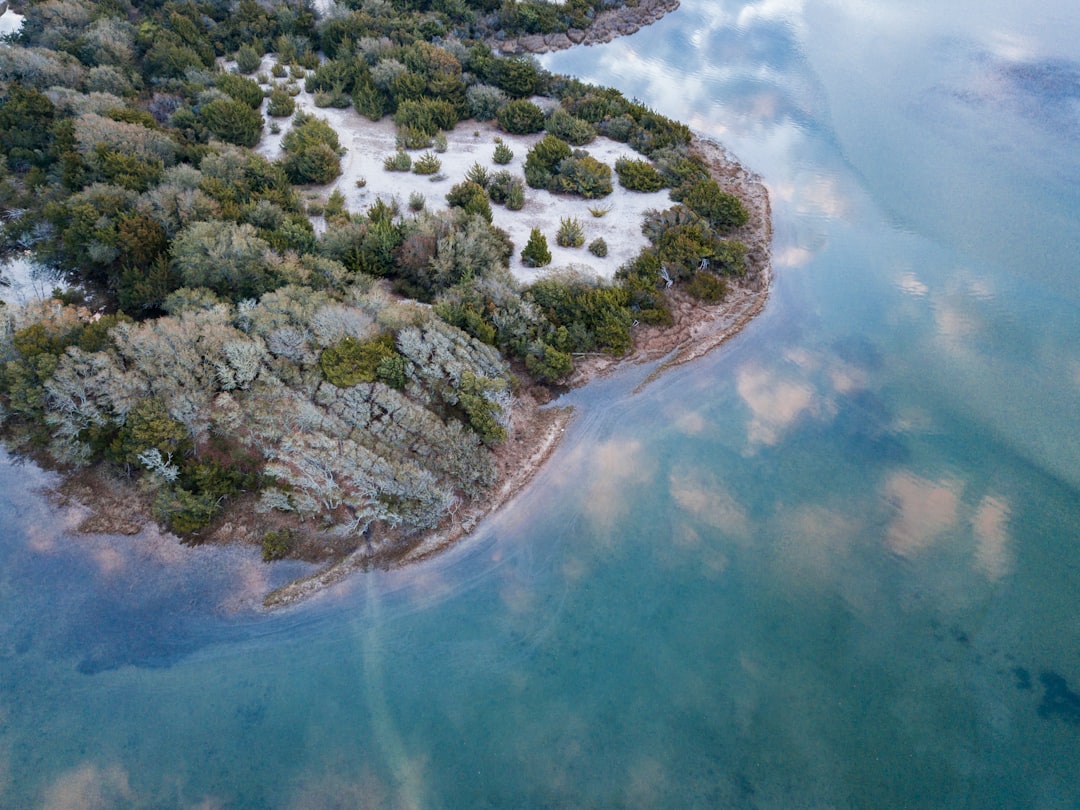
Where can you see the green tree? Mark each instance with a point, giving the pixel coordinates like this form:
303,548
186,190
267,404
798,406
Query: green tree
232,121
536,252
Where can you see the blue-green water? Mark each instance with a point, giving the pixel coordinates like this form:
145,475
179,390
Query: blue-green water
834,564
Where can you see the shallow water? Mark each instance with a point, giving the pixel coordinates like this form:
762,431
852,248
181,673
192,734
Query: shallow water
835,563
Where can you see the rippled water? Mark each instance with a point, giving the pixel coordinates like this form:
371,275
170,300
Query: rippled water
834,564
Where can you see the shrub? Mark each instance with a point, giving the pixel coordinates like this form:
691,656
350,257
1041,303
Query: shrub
536,252
248,59
519,77
351,361
427,163
313,153
281,104
499,188
598,247
707,287
520,117
184,512
570,233
279,71
471,197
572,130
336,98
240,89
503,154
484,101
479,175
411,138
638,175
416,201
232,121
585,176
549,364
542,161
722,210
600,210
426,115
398,162
515,197
277,545
439,142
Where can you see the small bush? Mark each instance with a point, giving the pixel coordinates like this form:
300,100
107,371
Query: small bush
416,201
536,253
336,98
471,197
479,175
412,138
600,210
542,161
427,163
439,142
499,187
570,233
426,115
638,175
352,361
248,59
484,101
520,117
277,545
281,104
572,130
584,175
722,210
707,287
515,198
279,71
398,162
598,247
503,154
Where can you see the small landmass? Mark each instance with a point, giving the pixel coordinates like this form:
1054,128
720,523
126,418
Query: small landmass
319,275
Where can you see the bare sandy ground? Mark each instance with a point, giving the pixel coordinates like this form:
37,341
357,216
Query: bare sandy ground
369,143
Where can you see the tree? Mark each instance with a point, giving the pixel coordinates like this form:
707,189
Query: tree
232,121
536,252
542,161
313,151
520,117
723,211
227,258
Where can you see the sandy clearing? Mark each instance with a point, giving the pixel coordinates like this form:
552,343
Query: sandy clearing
369,143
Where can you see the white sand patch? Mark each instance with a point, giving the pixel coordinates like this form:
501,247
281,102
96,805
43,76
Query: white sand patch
10,22
369,143
24,281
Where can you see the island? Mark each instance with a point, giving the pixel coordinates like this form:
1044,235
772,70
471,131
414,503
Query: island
324,270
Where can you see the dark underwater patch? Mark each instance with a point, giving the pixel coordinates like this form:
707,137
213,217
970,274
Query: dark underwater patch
1059,701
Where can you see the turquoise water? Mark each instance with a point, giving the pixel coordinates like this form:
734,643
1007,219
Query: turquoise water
833,564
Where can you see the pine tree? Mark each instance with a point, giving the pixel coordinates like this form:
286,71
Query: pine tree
536,253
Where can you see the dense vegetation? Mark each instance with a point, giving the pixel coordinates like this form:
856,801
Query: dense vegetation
230,349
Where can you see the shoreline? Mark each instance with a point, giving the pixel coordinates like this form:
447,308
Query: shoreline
608,25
